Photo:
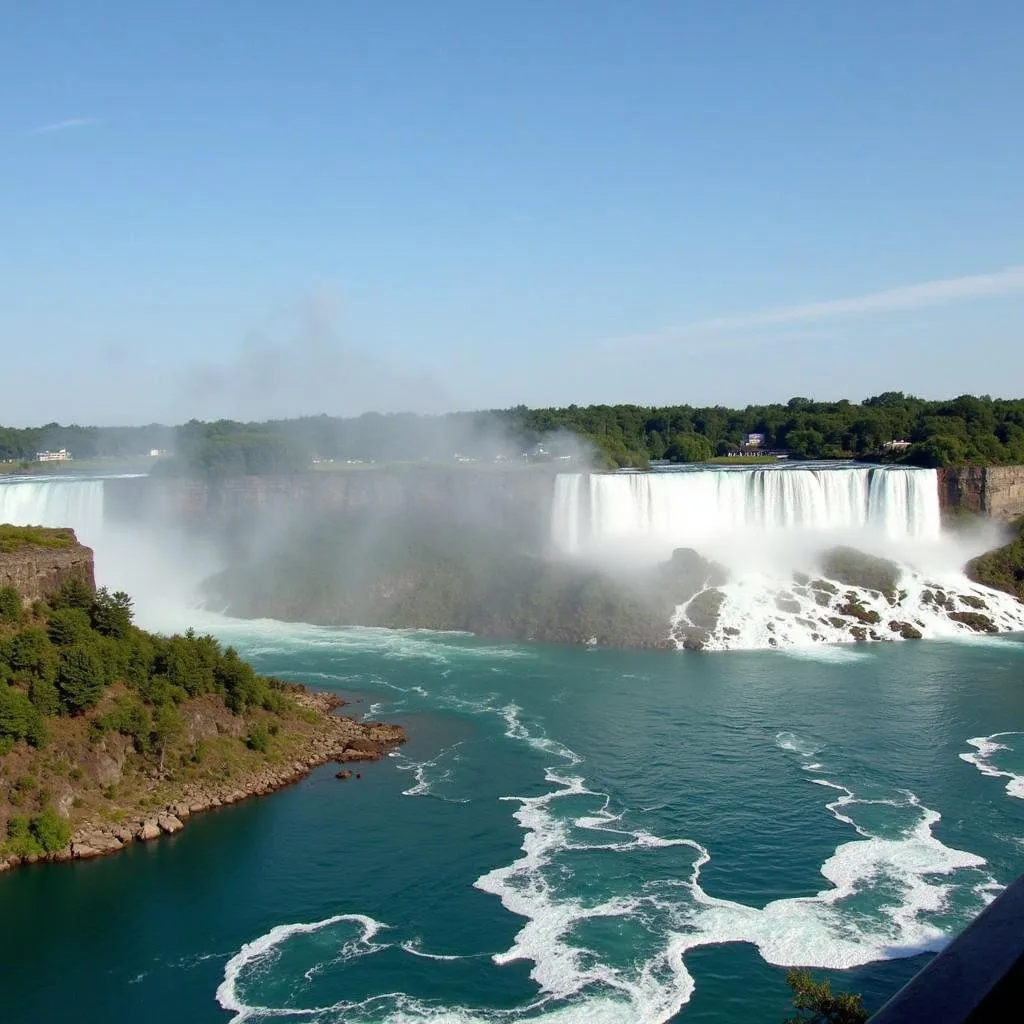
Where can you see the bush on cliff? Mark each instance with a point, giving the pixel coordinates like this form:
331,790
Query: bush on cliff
10,605
19,718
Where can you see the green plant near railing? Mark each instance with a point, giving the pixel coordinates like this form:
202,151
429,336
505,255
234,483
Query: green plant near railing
816,1003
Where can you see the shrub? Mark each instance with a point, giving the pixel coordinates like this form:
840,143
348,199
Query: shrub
258,738
67,626
50,830
19,719
10,605
80,677
130,717
20,840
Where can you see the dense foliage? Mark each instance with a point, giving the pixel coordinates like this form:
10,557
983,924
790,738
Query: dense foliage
967,430
73,650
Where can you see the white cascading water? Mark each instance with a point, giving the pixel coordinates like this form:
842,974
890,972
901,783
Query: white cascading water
664,511
74,503
155,563
769,527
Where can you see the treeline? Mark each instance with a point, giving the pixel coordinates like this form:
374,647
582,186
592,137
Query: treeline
21,445
961,431
968,430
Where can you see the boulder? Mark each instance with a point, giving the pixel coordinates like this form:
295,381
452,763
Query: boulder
169,823
149,829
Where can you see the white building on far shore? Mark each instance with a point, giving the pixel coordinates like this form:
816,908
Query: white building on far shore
61,455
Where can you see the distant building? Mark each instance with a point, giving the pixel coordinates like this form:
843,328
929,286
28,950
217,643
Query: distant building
156,453
753,441
896,445
62,455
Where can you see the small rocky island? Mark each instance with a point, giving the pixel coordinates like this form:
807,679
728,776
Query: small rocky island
111,735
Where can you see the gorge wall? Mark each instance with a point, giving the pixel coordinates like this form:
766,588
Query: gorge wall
515,502
994,491
37,573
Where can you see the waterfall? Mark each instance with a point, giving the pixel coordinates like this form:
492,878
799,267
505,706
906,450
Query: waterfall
71,502
681,509
157,563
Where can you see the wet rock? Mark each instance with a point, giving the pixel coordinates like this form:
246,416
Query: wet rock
973,602
855,610
857,569
905,630
169,824
976,621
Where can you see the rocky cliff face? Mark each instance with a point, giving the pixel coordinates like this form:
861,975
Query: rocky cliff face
995,491
37,573
515,503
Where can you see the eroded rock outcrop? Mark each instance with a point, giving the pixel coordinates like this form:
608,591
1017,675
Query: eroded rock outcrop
37,572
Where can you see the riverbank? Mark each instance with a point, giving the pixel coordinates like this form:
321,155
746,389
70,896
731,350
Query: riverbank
139,807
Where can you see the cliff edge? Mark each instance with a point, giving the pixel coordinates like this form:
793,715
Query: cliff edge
37,562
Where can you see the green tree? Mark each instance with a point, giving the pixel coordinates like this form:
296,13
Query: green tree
111,614
167,725
243,688
67,626
44,696
31,651
81,677
689,448
74,594
10,605
815,1002
19,719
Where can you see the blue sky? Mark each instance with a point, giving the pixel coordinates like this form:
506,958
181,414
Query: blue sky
260,208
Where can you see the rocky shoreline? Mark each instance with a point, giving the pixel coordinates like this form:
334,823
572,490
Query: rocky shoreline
333,738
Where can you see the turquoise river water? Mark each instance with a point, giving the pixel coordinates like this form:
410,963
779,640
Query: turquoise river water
569,835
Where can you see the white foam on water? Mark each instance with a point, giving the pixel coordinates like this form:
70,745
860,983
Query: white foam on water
985,748
797,744
905,880
267,947
430,773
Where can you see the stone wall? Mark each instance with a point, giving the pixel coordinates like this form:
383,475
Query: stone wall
995,491
38,573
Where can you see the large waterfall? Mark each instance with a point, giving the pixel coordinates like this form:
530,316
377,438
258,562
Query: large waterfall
69,502
154,561
666,510
774,578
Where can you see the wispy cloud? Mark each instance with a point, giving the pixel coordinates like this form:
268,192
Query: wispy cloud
904,298
61,126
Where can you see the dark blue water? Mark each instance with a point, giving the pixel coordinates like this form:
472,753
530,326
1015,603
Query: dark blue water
569,835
